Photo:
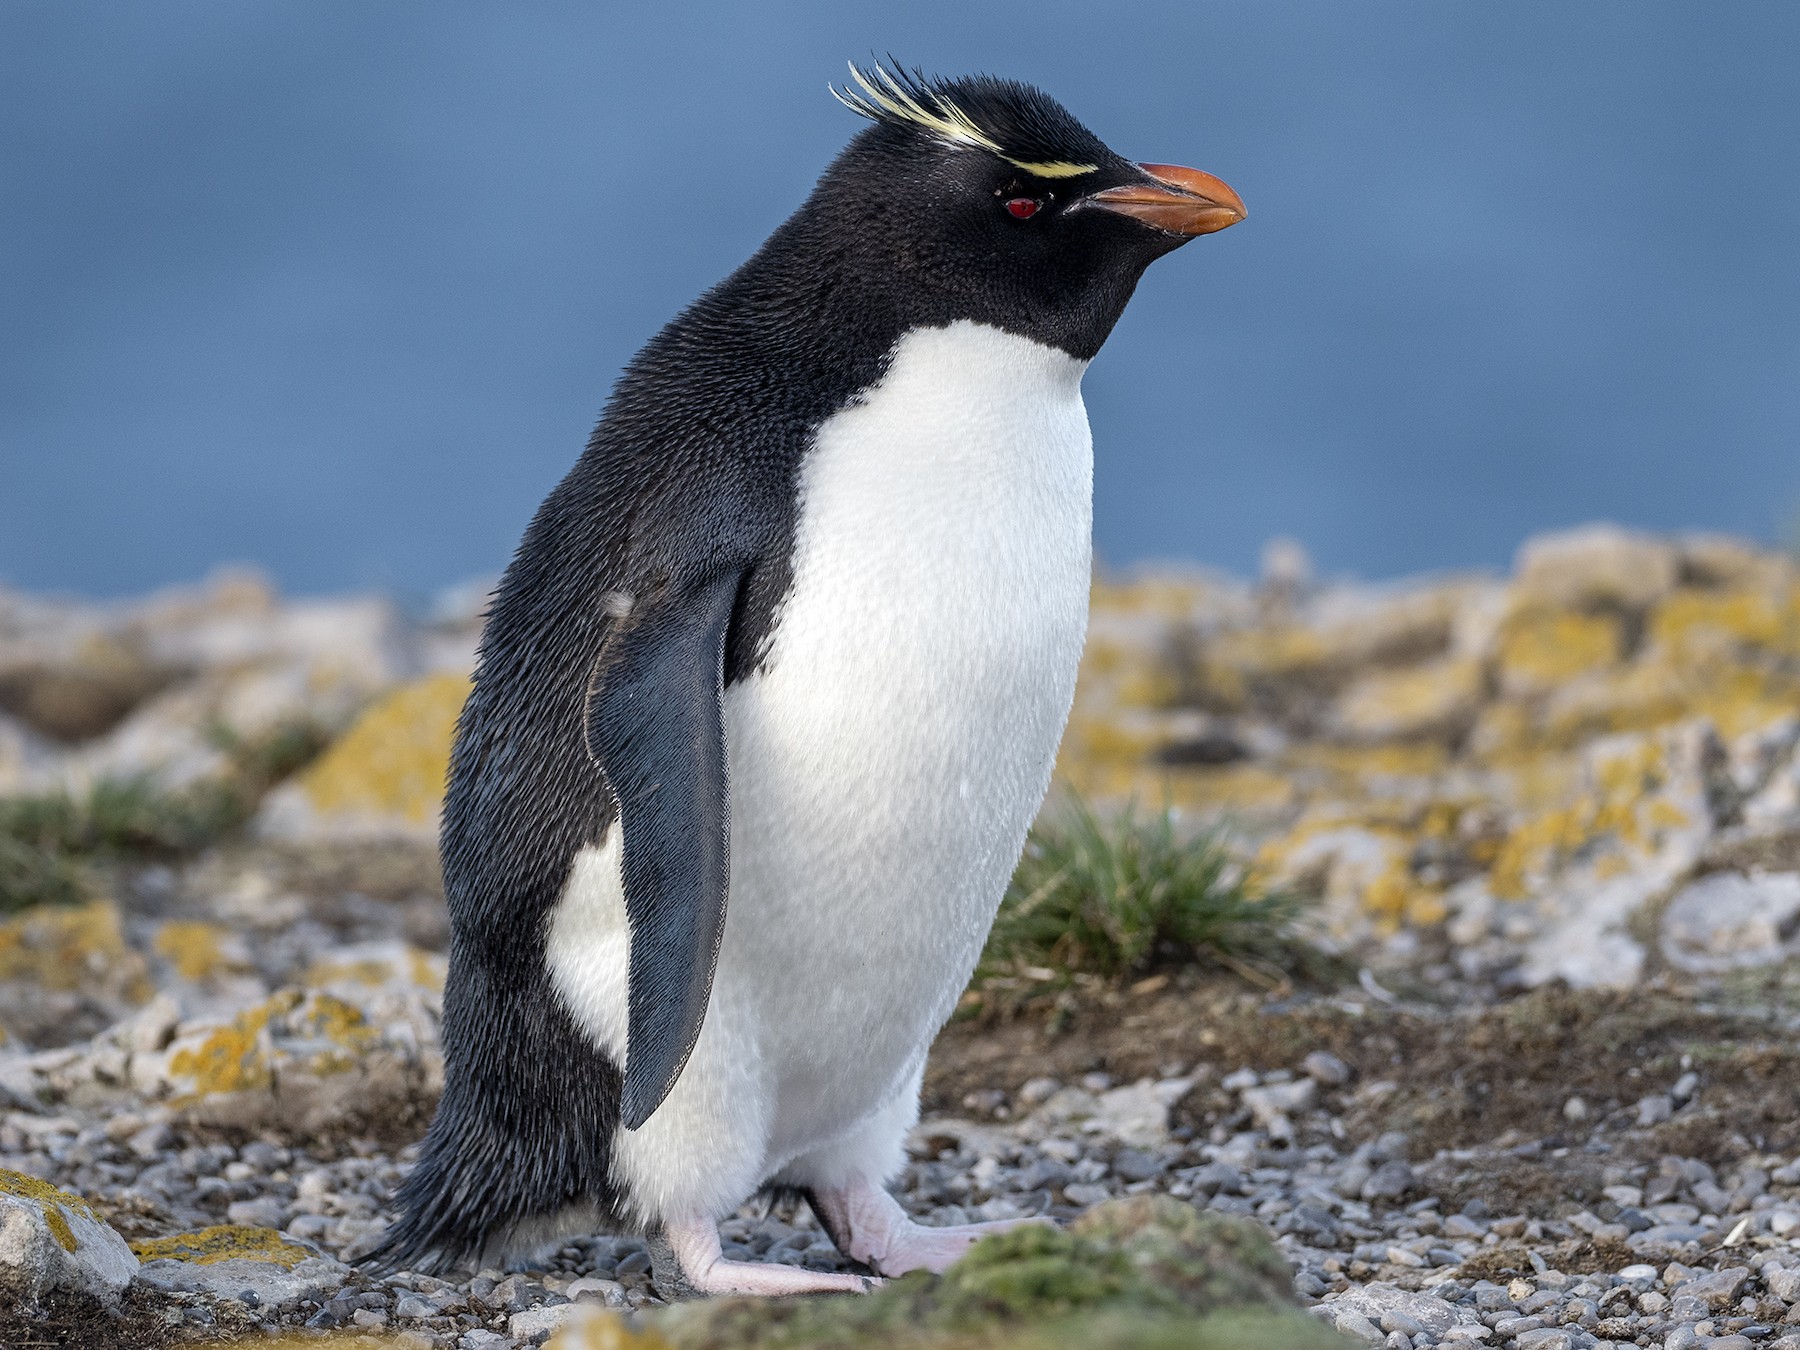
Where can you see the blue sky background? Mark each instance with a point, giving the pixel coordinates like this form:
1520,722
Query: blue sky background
338,286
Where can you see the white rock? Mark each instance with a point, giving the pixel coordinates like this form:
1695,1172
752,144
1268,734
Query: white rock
536,1322
591,1289
1138,1115
1727,921
1595,565
1587,907
1373,1301
51,1240
1324,1067
1270,1105
274,1284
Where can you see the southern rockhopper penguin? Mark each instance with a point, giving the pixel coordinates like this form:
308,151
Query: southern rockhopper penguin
770,694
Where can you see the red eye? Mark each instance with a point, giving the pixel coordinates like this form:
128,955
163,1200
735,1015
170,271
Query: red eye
1022,208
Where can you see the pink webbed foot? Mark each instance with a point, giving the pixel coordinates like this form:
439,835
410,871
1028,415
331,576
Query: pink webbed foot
869,1226
701,1268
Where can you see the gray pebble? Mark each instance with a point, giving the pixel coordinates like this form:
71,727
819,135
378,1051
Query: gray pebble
1390,1181
637,1263
1355,1324
1134,1164
1325,1068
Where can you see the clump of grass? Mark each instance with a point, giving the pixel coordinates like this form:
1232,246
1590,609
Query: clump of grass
50,842
1123,896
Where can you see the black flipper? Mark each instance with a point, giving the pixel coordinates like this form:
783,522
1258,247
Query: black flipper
656,727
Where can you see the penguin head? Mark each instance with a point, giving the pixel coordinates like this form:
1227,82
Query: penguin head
985,199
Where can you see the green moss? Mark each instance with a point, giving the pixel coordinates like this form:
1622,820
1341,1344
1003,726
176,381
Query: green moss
1146,1272
50,842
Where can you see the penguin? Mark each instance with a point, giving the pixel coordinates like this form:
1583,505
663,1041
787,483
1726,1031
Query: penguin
769,696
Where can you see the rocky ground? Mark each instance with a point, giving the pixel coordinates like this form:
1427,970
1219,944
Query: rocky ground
1537,1088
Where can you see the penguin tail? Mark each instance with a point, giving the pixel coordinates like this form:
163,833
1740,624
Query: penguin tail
515,1157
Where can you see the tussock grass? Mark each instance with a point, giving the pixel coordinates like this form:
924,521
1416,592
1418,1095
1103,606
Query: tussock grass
51,842
1123,896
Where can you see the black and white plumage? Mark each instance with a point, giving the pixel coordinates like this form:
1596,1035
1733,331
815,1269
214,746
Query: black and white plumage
770,694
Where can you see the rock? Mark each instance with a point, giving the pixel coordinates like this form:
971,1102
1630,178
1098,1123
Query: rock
534,1323
608,1293
1390,1181
384,776
226,1261
1728,921
1595,567
1269,1106
1353,1323
1378,1300
83,691
1135,1164
1715,1288
1326,1068
1640,825
51,1240
312,1061
66,973
1438,700
1138,1115
1543,652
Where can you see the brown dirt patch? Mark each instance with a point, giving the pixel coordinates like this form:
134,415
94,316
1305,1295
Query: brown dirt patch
82,1324
1767,852
1459,1079
1499,1264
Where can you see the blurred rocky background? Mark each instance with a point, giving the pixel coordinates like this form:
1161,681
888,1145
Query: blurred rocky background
1444,928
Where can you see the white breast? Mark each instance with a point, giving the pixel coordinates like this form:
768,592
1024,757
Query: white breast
888,760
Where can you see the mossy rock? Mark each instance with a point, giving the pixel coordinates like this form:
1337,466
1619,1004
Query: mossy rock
224,1242
1142,1272
386,773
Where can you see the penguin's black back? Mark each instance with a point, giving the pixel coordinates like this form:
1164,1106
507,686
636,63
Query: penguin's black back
692,471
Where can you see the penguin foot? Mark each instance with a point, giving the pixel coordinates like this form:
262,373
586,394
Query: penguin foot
868,1225
703,1270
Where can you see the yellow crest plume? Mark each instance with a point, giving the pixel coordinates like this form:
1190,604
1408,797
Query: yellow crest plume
881,96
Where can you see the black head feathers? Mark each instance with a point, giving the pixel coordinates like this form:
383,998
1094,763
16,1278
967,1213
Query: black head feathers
1022,125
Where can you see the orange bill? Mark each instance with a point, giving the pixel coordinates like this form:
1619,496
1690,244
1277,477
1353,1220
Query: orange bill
1180,200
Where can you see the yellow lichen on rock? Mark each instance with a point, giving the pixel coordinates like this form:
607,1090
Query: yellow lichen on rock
72,947
1235,788
342,1026
393,761
1440,698
191,946
1540,648
1622,810
224,1242
366,969
328,1035
57,1205
1334,728
1761,618
233,1057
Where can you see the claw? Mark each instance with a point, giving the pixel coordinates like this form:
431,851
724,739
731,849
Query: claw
701,1270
